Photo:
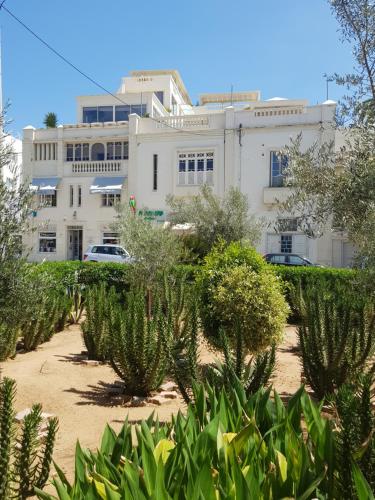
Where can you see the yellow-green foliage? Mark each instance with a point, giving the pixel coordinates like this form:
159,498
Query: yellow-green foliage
252,302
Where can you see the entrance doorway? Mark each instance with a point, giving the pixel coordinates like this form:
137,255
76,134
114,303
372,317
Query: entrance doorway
75,243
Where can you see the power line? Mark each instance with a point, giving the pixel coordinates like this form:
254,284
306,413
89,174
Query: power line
82,73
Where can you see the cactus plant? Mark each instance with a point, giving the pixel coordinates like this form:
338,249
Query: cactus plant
8,340
337,339
99,302
24,461
76,296
137,344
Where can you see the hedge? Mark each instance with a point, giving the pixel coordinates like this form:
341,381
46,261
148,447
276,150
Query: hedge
66,273
90,273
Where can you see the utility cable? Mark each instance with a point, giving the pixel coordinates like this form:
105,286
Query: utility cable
85,75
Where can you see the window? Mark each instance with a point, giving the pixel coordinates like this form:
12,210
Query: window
105,114
195,168
296,261
47,200
279,163
110,200
71,196
78,152
278,259
111,239
90,115
110,153
47,242
140,109
122,112
79,196
97,152
160,95
286,243
95,114
287,224
155,174
69,152
118,150
85,151
125,154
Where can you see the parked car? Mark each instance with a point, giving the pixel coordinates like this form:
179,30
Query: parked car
107,253
288,259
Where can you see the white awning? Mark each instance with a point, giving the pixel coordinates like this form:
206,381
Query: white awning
107,185
45,185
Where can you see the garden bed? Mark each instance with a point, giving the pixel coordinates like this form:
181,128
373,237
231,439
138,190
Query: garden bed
82,396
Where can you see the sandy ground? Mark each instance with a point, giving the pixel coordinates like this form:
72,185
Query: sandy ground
79,395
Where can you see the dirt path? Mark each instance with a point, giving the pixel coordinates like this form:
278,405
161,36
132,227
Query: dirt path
79,394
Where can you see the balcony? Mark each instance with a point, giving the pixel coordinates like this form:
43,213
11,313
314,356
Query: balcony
97,167
275,195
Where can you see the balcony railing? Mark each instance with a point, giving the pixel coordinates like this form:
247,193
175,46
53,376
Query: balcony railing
182,122
98,167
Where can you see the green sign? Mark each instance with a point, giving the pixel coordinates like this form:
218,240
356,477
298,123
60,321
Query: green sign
157,215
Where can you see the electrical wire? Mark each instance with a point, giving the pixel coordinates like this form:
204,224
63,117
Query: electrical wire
85,75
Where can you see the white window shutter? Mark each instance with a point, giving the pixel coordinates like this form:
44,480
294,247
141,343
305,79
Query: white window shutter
299,245
273,243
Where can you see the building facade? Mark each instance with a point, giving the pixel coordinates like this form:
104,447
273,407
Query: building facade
148,141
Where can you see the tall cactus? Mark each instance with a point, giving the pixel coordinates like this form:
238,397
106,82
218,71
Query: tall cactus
99,302
337,339
24,462
137,345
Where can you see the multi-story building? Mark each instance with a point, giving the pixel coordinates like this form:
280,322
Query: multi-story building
148,141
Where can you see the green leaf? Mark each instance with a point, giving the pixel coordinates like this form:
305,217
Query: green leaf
362,487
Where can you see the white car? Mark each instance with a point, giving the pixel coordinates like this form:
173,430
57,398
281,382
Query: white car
107,253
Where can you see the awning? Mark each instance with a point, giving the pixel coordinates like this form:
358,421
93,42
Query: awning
107,185
45,185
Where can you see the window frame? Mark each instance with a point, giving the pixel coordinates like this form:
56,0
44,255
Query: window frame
106,197
276,160
47,238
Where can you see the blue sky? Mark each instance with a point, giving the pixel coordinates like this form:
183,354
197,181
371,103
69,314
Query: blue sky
280,47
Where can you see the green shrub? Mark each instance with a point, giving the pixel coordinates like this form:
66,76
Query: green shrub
296,278
137,345
216,266
24,461
99,303
226,446
250,307
336,337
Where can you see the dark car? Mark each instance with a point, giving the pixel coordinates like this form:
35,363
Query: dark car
287,259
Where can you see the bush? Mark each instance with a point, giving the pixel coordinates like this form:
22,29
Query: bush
339,281
226,446
229,281
337,339
251,308
137,345
24,461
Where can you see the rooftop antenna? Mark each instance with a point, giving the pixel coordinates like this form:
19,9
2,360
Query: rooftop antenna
328,80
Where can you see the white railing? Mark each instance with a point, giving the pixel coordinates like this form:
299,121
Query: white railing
278,112
182,122
97,167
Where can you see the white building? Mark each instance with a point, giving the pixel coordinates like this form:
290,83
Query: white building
13,169
149,141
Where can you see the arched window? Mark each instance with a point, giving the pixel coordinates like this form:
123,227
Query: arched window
97,152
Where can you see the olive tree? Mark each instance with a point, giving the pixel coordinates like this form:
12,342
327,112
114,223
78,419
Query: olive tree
216,218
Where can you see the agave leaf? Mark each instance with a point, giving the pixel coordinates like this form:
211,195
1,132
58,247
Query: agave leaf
362,487
162,450
282,465
108,440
